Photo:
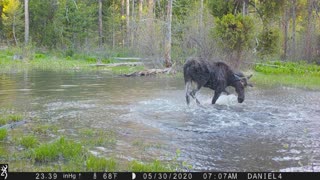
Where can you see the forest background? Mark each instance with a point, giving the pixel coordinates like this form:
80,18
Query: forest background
163,32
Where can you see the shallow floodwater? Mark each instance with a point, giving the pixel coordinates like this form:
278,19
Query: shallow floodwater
275,129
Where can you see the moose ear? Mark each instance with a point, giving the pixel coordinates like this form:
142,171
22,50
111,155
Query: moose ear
237,77
249,76
249,84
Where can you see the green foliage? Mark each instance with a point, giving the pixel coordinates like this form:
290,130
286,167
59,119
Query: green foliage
292,80
39,56
298,74
268,42
12,20
269,9
220,8
29,141
94,163
61,23
181,8
3,134
69,53
234,33
298,68
42,22
73,19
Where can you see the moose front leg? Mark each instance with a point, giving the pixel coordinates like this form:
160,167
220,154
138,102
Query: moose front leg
216,96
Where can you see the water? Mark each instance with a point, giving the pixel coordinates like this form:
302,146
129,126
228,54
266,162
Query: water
275,129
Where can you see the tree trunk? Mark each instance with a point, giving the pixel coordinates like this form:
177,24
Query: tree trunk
140,9
26,21
100,23
285,24
122,23
128,23
245,5
113,29
308,50
133,20
293,54
150,33
150,9
132,9
201,19
14,30
167,55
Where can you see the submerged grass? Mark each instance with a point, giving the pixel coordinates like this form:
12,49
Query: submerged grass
29,141
3,121
15,117
3,134
155,166
60,148
44,129
98,137
94,163
8,118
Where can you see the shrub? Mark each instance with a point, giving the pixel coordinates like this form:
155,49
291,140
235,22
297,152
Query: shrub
234,32
268,42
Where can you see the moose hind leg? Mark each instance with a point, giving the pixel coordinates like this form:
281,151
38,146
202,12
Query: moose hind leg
187,99
194,91
188,87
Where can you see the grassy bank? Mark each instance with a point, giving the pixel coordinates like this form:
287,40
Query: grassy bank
10,62
294,74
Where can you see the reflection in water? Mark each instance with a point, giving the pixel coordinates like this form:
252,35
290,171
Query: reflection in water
273,130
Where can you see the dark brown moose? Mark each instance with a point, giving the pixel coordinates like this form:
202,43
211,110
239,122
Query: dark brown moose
214,75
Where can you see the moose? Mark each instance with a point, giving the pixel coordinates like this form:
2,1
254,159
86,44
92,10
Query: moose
199,72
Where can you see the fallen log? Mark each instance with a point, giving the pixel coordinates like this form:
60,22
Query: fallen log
119,64
150,72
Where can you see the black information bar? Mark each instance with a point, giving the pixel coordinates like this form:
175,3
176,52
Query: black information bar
162,175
